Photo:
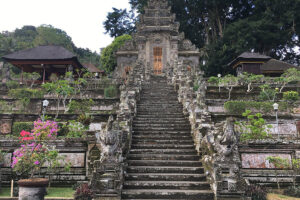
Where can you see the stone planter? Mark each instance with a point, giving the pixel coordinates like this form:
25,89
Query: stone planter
33,189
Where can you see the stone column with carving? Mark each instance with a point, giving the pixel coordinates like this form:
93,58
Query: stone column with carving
115,140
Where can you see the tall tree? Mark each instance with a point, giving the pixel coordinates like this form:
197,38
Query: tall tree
224,29
119,22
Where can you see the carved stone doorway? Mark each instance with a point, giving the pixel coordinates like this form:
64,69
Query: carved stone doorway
157,54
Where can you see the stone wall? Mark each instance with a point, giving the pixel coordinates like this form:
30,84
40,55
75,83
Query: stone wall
75,152
227,161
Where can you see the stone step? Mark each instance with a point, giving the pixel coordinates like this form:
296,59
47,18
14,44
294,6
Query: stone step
161,122
165,169
161,137
168,194
167,125
166,134
159,115
164,177
163,151
181,163
153,118
166,146
180,185
163,142
163,157
188,129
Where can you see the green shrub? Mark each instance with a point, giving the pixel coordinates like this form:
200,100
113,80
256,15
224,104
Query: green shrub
111,91
267,93
75,129
213,80
196,86
21,93
254,128
80,107
63,130
5,106
25,95
12,84
291,96
238,107
20,126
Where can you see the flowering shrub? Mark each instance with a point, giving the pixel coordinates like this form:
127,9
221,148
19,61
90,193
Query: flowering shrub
34,152
45,130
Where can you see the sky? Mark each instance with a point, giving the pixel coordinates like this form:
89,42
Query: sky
82,20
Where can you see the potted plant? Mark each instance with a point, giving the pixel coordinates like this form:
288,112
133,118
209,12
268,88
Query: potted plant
34,154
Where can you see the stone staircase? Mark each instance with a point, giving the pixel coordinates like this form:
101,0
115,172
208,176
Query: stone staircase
163,163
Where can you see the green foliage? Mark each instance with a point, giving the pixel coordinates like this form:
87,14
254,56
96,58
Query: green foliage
85,119
196,86
111,91
249,79
279,163
80,107
17,127
75,129
12,84
108,55
25,95
30,78
267,93
62,89
5,106
213,80
30,36
119,22
291,96
238,107
229,81
291,75
225,29
254,128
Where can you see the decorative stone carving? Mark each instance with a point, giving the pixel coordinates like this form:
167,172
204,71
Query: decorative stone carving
186,45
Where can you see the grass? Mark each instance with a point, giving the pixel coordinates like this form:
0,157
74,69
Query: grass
60,192
5,192
273,196
52,192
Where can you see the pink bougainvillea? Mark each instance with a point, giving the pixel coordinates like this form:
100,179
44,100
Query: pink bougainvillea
34,151
46,130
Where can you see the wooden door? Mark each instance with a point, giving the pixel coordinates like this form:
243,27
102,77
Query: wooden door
157,60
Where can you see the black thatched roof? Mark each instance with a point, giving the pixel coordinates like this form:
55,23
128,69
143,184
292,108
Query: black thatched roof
276,65
249,56
42,53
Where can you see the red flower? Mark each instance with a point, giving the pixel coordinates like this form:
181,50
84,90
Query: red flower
24,133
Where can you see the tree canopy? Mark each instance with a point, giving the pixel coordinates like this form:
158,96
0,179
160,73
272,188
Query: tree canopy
30,36
225,29
108,55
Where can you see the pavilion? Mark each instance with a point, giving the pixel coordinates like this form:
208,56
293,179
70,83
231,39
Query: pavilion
46,60
259,64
